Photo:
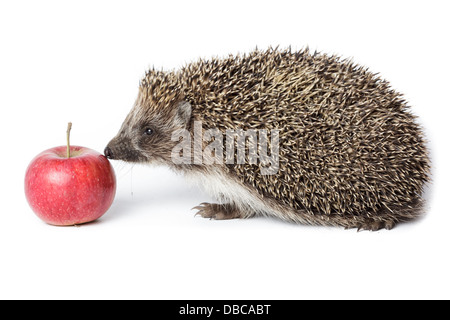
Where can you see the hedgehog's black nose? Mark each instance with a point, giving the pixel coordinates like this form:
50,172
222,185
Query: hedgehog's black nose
108,153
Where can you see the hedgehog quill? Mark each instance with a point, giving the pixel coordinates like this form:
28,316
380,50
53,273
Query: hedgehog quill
348,150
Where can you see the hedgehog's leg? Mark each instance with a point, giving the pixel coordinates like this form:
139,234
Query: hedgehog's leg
372,224
218,211
387,219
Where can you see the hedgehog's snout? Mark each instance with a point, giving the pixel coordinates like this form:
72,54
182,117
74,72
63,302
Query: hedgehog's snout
108,153
122,149
113,150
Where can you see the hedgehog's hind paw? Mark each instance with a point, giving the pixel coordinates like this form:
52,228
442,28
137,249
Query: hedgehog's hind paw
375,225
217,211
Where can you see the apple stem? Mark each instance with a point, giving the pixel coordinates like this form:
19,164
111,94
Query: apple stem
69,127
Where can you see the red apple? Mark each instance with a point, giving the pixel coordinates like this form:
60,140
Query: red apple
72,190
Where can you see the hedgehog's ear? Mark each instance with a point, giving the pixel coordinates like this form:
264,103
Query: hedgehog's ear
184,112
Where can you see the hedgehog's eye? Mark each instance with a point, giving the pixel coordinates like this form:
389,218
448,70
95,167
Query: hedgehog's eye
148,131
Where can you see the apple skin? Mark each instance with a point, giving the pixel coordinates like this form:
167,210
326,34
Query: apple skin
68,191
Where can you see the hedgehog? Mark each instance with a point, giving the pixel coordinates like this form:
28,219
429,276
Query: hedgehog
348,151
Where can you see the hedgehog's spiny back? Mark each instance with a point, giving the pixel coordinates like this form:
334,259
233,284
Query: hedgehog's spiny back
348,143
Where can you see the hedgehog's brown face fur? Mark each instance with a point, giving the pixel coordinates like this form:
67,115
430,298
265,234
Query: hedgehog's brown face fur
145,135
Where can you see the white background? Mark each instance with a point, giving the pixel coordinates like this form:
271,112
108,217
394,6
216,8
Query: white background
82,61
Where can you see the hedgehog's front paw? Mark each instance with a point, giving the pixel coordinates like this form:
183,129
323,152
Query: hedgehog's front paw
217,211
